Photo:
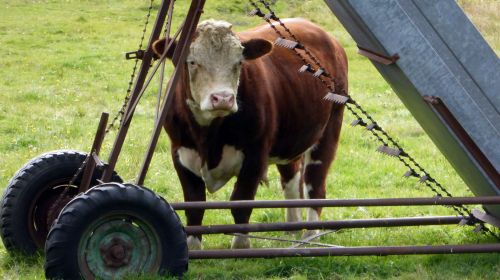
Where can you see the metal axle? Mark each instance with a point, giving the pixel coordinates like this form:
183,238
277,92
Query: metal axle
335,202
344,251
338,224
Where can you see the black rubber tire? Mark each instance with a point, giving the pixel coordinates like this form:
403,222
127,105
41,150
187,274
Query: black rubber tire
33,182
79,215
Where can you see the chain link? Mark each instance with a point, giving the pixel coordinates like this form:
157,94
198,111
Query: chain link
415,169
121,112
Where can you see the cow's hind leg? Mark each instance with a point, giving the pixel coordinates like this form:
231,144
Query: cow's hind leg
317,161
291,181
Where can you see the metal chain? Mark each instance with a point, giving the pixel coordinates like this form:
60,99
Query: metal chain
415,169
121,112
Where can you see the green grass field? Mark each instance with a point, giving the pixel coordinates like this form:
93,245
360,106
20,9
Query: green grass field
62,64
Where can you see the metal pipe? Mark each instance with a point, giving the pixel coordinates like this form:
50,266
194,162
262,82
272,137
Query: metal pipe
96,148
344,251
335,202
179,56
338,224
139,82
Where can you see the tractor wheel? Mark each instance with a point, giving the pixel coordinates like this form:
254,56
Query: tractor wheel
35,196
113,231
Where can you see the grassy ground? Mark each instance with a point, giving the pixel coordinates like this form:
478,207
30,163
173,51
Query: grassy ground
62,64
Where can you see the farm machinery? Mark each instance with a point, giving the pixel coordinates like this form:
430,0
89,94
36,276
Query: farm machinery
93,225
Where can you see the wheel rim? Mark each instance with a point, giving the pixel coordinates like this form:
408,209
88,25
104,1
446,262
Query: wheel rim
46,206
118,245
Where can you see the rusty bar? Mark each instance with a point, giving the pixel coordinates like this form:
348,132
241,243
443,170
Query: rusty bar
338,224
96,148
180,54
139,82
462,135
380,58
162,70
336,202
345,251
161,61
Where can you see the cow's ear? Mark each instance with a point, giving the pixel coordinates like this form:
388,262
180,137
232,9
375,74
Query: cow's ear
159,48
255,48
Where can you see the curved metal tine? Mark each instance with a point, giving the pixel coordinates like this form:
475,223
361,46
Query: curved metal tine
297,242
308,239
162,70
148,81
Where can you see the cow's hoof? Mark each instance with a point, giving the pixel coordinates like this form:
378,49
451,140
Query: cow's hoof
240,242
309,233
194,243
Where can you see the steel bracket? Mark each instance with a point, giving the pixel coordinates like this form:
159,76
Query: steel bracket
139,54
386,60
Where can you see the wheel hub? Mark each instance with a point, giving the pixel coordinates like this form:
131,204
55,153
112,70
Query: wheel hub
118,245
117,252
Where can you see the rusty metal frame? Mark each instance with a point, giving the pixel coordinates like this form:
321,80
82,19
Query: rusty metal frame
186,32
440,107
344,251
418,201
142,81
323,225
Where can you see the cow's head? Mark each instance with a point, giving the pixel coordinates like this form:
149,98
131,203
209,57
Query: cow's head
214,63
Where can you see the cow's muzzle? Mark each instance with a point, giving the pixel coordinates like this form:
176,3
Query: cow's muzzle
222,101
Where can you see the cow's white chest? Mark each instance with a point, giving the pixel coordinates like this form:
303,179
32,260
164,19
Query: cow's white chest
215,178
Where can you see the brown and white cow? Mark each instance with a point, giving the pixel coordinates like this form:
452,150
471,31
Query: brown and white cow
242,105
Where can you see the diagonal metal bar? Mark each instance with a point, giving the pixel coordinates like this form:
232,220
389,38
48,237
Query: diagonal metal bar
312,237
145,65
151,76
180,54
162,70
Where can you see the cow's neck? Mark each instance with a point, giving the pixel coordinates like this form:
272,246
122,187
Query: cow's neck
201,117
209,139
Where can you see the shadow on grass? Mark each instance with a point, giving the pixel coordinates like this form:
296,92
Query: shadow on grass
473,266
22,262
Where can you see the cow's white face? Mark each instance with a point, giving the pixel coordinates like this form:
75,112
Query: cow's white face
214,63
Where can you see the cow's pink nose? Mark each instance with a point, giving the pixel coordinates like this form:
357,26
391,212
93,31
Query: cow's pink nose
222,101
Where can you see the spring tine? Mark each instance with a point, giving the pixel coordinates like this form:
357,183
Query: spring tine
319,72
269,16
256,12
306,68
372,126
463,222
289,44
336,98
424,178
478,228
392,152
411,173
358,122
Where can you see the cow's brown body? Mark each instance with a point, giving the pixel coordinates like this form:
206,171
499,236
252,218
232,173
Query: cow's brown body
281,115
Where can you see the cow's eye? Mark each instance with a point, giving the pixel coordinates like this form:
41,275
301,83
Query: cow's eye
192,63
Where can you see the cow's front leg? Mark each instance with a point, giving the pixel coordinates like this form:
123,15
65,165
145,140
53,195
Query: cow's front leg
193,188
245,188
